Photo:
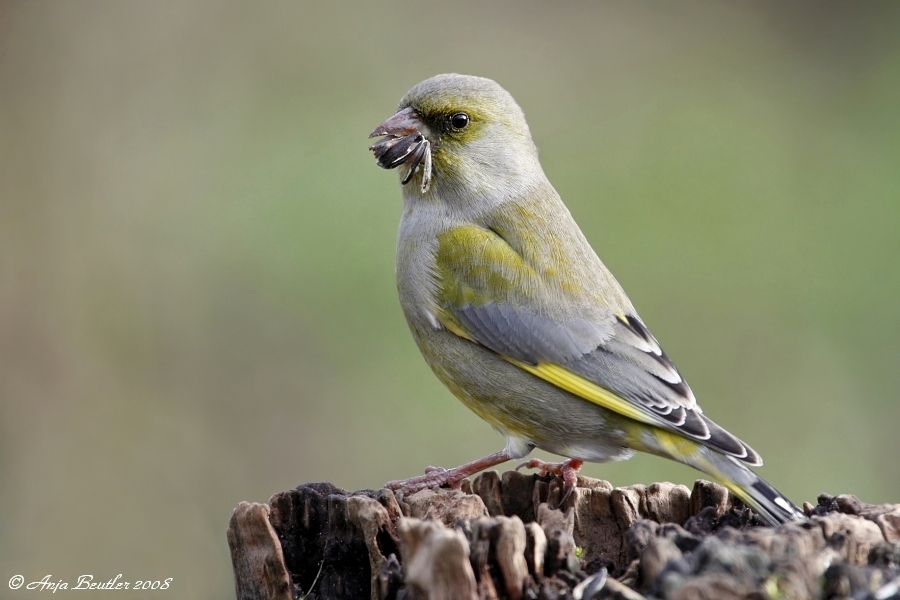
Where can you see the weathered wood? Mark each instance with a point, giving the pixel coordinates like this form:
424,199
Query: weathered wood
506,537
256,556
437,561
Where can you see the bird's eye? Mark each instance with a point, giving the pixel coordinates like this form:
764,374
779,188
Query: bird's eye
459,121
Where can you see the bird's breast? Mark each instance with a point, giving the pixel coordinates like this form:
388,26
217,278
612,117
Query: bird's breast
415,268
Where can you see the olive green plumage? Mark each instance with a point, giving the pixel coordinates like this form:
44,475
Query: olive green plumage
514,311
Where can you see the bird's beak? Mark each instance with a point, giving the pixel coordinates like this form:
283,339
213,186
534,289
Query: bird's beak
404,143
405,122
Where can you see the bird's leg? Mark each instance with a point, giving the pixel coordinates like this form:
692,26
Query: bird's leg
436,477
568,470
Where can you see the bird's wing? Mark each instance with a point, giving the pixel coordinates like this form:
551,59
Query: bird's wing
489,293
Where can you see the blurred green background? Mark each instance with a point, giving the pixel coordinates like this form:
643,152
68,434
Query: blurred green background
197,303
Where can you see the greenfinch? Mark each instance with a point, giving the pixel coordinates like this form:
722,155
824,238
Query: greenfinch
516,315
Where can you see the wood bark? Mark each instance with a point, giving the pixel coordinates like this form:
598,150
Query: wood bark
508,538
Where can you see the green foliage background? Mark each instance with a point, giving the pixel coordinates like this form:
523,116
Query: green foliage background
197,303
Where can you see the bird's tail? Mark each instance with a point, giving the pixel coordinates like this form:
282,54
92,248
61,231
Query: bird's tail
752,489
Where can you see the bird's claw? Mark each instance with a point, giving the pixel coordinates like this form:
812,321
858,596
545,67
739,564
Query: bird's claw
524,465
567,470
544,468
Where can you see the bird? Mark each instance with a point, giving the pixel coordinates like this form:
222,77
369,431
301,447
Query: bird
515,313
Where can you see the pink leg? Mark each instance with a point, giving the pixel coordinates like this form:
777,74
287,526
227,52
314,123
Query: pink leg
436,477
568,470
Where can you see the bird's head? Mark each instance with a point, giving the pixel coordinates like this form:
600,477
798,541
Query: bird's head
458,134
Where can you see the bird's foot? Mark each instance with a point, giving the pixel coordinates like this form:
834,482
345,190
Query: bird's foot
437,477
434,477
567,470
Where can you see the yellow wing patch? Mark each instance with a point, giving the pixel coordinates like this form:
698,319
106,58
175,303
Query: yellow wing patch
575,384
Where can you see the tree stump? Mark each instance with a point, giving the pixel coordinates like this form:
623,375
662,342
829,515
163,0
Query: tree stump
508,538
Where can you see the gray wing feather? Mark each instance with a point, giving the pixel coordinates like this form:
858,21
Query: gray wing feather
530,337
